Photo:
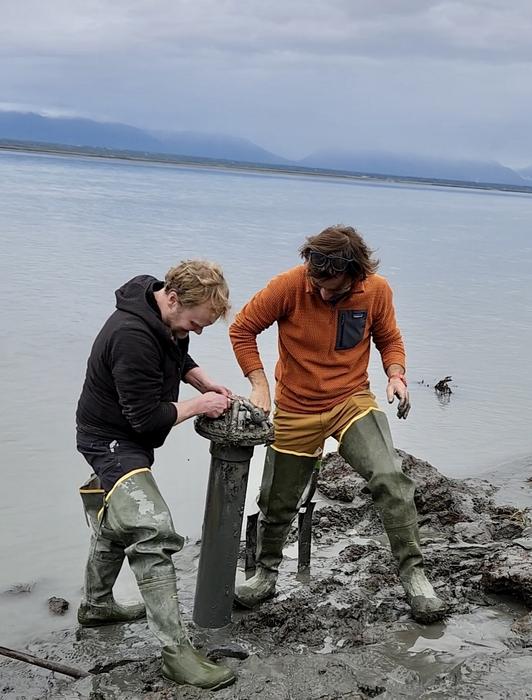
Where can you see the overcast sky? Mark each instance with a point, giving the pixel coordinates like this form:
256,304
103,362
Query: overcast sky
294,76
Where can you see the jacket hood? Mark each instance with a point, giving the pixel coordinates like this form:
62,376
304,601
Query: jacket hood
132,297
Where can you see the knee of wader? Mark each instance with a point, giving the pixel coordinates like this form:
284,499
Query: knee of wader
368,447
155,534
396,483
105,548
275,512
150,554
136,511
285,478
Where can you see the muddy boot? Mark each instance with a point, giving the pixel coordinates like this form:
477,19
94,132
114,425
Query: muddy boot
103,566
284,480
261,586
110,614
425,605
186,666
136,510
182,663
367,446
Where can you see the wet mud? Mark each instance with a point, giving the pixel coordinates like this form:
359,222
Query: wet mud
344,631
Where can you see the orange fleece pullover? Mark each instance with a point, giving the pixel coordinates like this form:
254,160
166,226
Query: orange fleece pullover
323,348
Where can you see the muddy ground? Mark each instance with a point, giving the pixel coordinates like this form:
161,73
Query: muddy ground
345,630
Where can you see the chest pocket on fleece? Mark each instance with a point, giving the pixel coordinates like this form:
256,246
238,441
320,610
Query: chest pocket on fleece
350,328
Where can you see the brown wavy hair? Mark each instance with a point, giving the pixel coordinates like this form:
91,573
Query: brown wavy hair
346,242
197,281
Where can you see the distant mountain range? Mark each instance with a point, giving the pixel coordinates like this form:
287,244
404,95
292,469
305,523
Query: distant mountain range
415,166
22,126
79,132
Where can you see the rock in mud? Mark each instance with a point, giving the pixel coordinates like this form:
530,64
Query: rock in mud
522,628
336,479
58,606
509,570
229,650
442,502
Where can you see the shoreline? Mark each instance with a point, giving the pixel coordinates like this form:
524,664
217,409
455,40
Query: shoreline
205,163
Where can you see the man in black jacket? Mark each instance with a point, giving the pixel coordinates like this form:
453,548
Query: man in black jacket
127,407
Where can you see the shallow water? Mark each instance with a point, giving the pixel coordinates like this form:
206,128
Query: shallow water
434,649
73,230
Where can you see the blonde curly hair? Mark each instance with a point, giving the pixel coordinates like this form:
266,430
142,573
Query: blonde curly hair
198,281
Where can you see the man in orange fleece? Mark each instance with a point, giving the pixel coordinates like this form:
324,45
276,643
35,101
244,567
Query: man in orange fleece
327,311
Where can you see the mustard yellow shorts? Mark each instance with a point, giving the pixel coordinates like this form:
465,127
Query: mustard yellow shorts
304,434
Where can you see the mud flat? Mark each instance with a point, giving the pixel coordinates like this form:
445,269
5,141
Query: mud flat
345,632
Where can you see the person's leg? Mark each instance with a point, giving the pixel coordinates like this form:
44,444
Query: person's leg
288,467
104,562
366,444
110,459
137,513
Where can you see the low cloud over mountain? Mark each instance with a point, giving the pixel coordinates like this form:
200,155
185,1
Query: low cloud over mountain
69,131
381,163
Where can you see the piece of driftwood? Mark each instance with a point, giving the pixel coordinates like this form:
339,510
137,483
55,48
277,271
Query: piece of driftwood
43,663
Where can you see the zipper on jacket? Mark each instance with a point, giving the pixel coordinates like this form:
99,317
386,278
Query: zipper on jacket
341,333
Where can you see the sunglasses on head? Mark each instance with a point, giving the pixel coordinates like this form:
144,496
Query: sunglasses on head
321,261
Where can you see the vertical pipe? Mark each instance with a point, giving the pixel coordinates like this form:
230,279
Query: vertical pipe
305,538
220,540
251,544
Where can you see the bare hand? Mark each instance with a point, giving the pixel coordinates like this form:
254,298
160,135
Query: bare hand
260,397
212,404
218,389
396,387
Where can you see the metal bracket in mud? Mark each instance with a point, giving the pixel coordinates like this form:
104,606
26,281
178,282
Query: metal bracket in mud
304,526
243,424
304,532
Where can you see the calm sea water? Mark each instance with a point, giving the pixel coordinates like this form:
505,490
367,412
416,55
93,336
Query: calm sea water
73,230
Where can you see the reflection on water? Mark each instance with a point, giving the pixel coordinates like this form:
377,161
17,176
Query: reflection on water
74,230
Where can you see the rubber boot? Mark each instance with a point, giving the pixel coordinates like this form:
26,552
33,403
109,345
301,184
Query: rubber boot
103,566
284,480
367,446
138,513
182,663
425,605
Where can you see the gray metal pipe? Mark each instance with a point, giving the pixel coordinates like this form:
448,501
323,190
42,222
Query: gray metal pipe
233,437
220,540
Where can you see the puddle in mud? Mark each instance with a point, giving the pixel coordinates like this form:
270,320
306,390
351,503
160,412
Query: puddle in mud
432,649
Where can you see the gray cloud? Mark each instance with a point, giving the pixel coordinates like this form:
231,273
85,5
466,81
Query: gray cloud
485,29
293,75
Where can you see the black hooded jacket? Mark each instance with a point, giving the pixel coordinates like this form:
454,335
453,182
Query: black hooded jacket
133,371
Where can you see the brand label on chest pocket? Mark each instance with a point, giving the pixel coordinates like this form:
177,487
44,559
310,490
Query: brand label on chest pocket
350,328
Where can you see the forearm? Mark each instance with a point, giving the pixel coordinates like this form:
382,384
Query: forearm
264,309
258,379
198,378
246,352
260,390
387,335
187,409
